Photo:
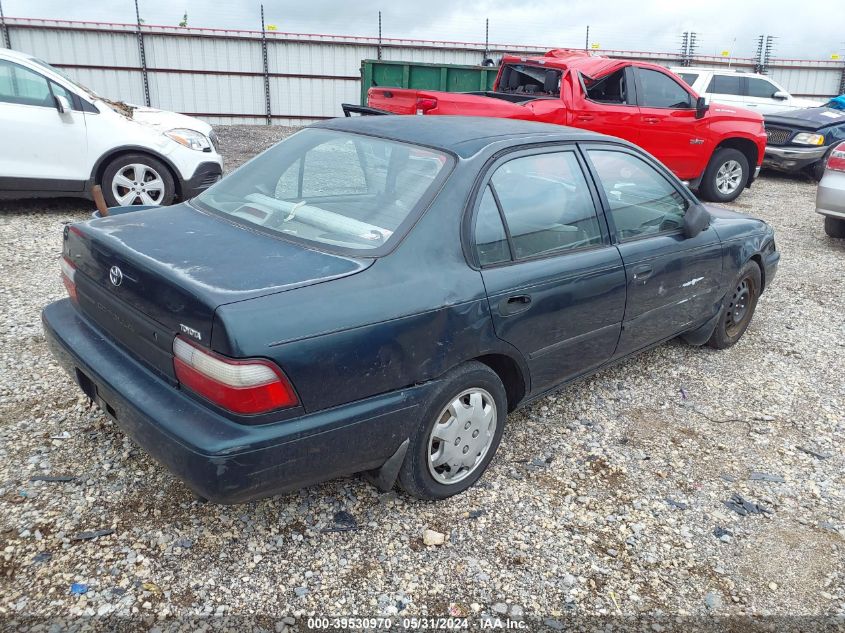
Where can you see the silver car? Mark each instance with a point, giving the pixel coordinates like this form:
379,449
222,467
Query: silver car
830,198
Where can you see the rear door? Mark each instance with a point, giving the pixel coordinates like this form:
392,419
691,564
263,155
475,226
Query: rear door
607,105
41,148
669,128
673,282
727,89
555,284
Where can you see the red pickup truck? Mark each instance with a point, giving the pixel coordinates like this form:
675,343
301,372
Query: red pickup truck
717,149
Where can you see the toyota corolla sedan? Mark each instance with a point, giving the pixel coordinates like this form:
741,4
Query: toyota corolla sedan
376,294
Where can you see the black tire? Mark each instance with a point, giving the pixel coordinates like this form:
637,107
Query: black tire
738,308
415,476
118,194
709,189
834,227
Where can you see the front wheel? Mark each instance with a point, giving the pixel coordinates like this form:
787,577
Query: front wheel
738,307
834,227
726,175
459,433
137,179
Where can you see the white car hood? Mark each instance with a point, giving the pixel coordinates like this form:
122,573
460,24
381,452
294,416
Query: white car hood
163,120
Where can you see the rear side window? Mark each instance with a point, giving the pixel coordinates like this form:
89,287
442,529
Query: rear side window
491,241
661,91
546,204
642,202
22,86
725,85
760,88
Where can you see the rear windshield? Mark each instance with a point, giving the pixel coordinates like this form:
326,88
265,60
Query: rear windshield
331,188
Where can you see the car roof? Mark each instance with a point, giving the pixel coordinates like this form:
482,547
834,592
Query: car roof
461,135
13,54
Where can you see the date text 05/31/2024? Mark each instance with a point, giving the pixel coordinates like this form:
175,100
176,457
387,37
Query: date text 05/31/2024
414,623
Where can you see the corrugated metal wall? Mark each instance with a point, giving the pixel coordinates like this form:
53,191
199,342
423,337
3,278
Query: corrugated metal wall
218,75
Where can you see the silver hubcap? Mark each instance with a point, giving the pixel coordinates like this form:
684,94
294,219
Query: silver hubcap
729,177
462,436
137,184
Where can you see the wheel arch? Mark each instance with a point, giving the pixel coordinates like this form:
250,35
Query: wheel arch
512,375
100,166
747,147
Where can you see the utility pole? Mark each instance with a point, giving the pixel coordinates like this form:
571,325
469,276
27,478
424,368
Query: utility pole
379,35
142,55
266,69
486,41
587,39
6,40
765,48
688,46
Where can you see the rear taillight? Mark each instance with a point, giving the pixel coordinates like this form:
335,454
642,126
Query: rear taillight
836,160
424,105
69,277
245,386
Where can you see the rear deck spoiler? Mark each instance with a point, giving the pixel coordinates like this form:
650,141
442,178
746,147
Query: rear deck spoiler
350,109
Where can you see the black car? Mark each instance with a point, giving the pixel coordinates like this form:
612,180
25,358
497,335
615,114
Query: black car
376,294
803,139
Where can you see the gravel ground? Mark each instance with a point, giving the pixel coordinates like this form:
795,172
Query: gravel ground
605,498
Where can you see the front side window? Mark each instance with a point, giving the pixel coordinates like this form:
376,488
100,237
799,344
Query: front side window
22,86
761,88
333,188
661,91
546,204
642,201
725,85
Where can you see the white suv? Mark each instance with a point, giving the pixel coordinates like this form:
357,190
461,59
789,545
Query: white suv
59,139
745,90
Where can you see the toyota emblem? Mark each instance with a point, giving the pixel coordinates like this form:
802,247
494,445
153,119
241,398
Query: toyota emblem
115,276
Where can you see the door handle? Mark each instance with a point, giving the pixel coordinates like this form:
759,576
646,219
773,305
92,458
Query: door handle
641,273
515,304
650,119
585,117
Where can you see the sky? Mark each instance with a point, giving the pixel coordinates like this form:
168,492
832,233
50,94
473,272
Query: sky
809,30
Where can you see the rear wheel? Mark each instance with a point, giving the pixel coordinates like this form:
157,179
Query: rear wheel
459,433
834,227
725,176
137,179
738,307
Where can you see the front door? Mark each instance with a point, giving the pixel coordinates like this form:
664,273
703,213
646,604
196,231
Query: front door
606,105
42,148
670,130
555,284
674,283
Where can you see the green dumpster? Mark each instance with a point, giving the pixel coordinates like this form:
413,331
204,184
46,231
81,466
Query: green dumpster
443,77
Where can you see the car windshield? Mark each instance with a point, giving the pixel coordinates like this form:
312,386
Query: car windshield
65,76
331,188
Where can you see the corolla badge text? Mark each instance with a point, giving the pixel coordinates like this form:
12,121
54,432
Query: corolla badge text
115,276
190,331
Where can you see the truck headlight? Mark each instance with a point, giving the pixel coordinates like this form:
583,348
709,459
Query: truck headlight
190,139
806,138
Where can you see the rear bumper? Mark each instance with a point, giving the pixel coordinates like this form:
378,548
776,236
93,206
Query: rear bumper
205,175
792,158
219,459
830,196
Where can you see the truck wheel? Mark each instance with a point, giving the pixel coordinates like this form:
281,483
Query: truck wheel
816,170
725,176
834,227
460,430
738,307
137,179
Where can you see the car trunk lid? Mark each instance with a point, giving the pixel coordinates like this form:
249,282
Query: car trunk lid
148,275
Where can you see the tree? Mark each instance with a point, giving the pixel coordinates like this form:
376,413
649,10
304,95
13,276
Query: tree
184,21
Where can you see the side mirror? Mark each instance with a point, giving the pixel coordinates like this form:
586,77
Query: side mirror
700,107
696,220
780,94
62,104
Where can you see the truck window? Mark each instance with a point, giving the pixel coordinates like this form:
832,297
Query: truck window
725,85
760,88
689,78
661,91
609,89
530,80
